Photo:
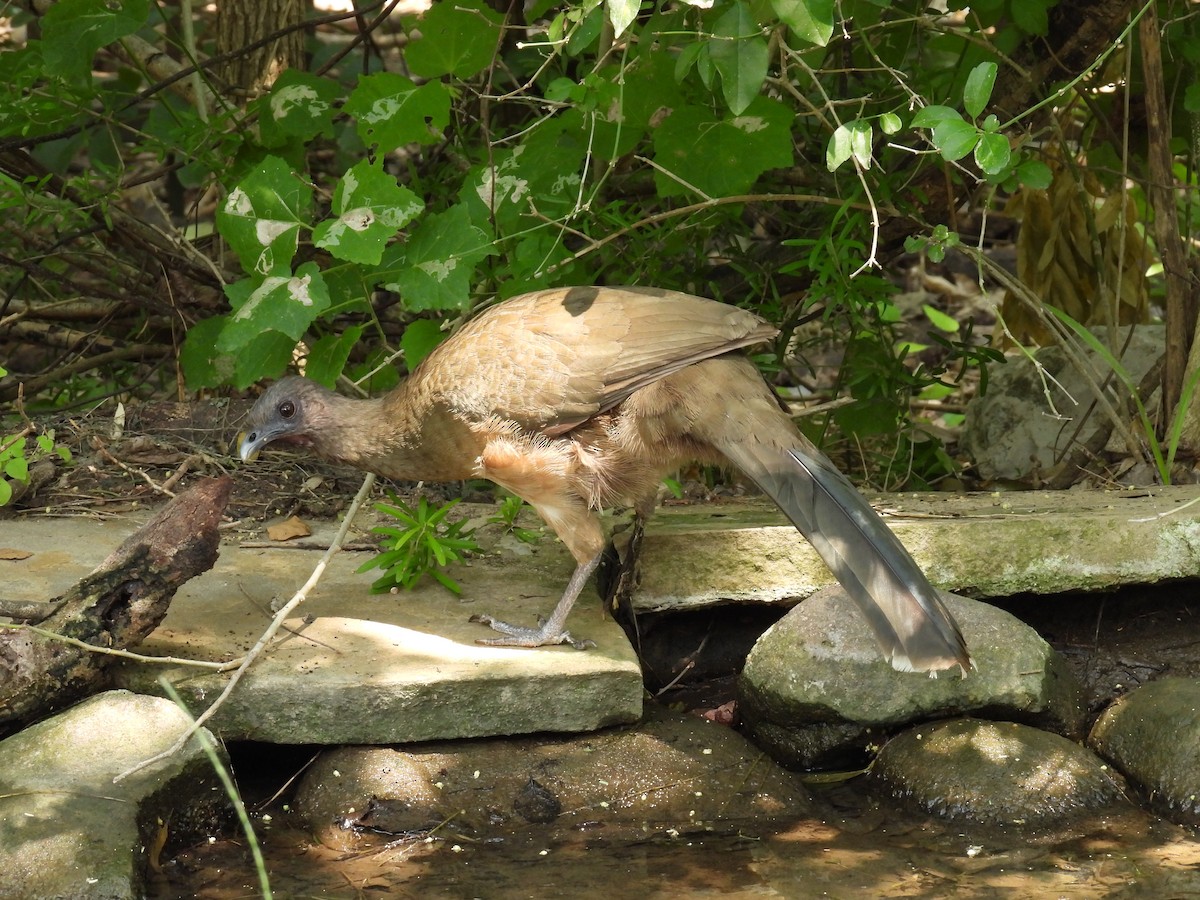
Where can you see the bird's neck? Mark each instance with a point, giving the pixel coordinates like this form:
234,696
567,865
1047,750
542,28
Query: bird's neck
396,435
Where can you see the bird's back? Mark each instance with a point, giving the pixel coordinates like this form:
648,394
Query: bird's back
552,359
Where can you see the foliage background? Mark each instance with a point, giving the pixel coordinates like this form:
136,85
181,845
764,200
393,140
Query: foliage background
172,225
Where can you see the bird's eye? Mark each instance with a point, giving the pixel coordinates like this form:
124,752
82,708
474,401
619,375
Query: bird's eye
287,409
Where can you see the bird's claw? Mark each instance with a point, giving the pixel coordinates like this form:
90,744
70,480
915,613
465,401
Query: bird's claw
520,636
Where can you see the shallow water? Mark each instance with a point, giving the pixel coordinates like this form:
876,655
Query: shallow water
861,850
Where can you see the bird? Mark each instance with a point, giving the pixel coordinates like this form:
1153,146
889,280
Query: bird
584,398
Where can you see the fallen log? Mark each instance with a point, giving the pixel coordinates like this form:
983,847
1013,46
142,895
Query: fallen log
116,606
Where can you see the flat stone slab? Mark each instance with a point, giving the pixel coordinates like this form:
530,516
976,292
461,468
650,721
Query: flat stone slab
359,667
983,545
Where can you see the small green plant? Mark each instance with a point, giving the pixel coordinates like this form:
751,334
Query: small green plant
507,515
424,543
16,457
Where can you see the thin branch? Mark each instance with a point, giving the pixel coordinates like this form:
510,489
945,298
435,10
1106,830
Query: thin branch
256,651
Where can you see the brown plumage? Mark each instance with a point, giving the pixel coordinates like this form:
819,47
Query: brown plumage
581,398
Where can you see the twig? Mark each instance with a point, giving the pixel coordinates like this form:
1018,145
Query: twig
124,654
136,473
272,629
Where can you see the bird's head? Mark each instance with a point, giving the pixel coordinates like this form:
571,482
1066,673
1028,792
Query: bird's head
292,411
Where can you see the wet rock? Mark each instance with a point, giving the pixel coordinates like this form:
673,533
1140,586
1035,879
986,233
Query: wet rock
1152,735
815,692
994,773
67,831
671,775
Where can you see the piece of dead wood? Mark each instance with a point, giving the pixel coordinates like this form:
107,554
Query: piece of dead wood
117,605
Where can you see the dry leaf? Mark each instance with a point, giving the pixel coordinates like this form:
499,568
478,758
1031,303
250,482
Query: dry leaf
289,530
12,553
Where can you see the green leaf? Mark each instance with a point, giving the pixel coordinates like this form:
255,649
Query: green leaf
1191,97
73,30
1032,16
435,268
955,139
6,492
933,116
978,90
1035,174
328,354
740,55
939,319
889,123
370,207
266,356
17,468
458,39
261,218
993,154
281,303
622,13
392,111
722,156
202,365
810,20
853,139
298,108
418,341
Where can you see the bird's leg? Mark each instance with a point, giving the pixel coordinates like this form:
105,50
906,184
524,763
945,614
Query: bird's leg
551,630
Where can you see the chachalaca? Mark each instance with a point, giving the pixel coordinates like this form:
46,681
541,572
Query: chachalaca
580,398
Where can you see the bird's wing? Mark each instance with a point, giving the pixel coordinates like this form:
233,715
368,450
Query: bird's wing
550,360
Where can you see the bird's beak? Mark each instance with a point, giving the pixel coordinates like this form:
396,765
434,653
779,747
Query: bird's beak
249,443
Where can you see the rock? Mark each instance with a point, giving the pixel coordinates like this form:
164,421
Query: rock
1152,735
67,831
994,773
671,775
815,692
1012,431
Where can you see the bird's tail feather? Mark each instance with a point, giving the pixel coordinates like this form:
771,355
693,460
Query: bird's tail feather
910,622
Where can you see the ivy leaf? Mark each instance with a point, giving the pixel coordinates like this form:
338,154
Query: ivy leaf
370,207
978,89
328,355
261,218
810,20
298,108
283,303
622,13
458,39
721,156
438,260
73,30
740,55
267,356
418,341
391,111
202,367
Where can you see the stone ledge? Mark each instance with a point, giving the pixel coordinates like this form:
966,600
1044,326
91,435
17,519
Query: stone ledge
361,668
983,545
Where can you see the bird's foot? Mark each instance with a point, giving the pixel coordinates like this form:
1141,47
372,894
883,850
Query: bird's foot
520,636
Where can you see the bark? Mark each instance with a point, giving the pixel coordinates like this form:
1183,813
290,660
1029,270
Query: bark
241,23
116,606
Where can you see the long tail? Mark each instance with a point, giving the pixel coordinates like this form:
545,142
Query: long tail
914,629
